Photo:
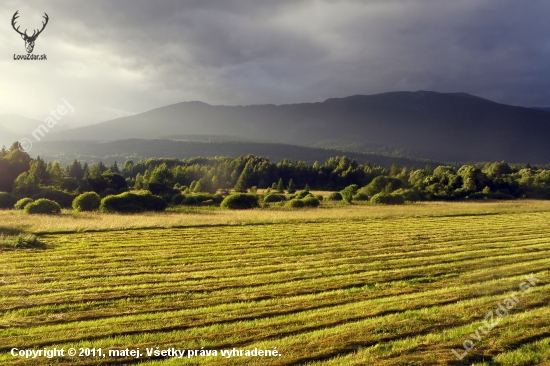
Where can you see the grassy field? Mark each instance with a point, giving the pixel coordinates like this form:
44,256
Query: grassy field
340,285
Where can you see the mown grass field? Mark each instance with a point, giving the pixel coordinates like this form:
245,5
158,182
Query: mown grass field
350,285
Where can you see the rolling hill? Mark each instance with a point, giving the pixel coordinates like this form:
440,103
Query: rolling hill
441,126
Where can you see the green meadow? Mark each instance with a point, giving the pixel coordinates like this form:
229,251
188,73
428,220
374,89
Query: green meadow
337,285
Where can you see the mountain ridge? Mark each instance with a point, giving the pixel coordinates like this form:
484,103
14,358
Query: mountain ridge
439,126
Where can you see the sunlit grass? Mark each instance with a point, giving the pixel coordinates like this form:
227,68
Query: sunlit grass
70,221
340,285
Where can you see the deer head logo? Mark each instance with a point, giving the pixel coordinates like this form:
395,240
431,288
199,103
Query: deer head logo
29,40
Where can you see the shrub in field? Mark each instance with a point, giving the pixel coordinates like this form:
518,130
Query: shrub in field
64,199
150,202
130,202
239,201
311,201
335,196
274,197
381,198
302,194
43,206
20,205
195,198
348,192
6,200
397,199
360,197
388,199
319,197
408,194
295,203
190,200
125,203
203,197
177,199
89,201
380,184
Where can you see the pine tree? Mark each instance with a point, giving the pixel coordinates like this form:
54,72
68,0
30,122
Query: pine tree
240,186
56,175
291,188
280,186
199,186
102,168
114,168
75,170
242,183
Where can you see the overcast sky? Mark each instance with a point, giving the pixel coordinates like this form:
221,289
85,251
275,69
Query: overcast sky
114,58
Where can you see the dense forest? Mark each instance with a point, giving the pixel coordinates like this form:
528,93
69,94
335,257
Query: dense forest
22,176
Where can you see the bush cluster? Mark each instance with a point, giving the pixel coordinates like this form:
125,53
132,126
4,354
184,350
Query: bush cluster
22,203
195,198
240,201
335,196
43,206
89,201
388,199
131,202
360,196
309,201
274,197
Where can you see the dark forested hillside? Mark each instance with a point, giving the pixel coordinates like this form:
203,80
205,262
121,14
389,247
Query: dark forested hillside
448,127
108,152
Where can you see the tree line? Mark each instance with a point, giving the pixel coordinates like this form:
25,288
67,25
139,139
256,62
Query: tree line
23,176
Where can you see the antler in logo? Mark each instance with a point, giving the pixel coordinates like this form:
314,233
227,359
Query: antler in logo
29,40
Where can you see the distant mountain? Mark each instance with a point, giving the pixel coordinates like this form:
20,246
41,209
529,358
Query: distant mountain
542,108
14,127
18,125
440,126
6,137
120,151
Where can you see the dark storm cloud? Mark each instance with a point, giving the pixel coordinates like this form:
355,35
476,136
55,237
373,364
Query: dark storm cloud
128,56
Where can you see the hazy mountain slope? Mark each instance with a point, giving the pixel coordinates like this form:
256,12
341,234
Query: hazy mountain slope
453,126
6,137
108,152
18,125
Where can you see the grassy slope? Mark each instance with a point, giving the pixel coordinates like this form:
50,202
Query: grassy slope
336,286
